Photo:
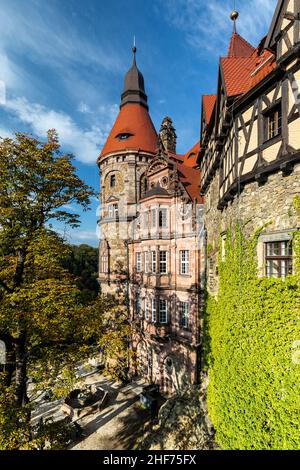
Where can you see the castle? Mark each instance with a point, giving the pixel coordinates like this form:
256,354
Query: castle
163,214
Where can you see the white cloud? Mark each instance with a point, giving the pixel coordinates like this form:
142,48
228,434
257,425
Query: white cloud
84,143
84,108
207,25
40,29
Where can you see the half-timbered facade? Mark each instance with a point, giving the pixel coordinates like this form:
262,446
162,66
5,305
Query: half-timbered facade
250,155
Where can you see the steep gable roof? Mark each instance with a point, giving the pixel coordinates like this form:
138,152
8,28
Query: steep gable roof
239,47
208,102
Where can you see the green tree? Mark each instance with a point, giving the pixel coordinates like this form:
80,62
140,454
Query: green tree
36,181
82,262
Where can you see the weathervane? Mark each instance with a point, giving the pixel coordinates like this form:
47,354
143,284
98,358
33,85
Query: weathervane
234,16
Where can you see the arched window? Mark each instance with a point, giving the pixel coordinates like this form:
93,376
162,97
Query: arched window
143,185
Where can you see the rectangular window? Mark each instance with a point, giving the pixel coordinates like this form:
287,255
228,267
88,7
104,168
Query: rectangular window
184,262
163,262
138,304
112,181
113,211
146,262
273,122
154,310
153,261
138,262
153,218
147,310
105,263
163,213
279,259
184,314
145,220
163,311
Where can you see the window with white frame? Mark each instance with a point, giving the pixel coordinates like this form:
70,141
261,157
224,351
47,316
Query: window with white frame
154,316
147,309
279,258
104,263
153,261
153,218
184,314
113,211
146,262
163,215
163,311
138,262
184,262
163,262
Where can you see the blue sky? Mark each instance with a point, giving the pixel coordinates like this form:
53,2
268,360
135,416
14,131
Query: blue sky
62,65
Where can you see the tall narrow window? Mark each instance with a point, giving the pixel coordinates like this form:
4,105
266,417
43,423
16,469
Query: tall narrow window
273,122
145,220
138,262
163,213
146,262
184,314
163,262
153,218
184,262
147,309
138,304
279,259
104,263
112,181
153,261
154,310
163,311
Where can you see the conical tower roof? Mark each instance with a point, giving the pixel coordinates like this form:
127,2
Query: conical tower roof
133,129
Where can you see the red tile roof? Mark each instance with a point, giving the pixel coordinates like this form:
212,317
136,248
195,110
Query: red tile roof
237,71
239,47
241,74
190,158
190,178
133,119
209,102
187,172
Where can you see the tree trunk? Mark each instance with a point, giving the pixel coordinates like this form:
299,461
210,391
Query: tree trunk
10,365
20,391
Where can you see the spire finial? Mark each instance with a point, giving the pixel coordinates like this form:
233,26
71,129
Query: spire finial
134,50
234,16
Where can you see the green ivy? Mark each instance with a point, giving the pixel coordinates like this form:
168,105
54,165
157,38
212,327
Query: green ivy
251,332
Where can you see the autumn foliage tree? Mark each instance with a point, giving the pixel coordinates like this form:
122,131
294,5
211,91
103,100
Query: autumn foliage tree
46,323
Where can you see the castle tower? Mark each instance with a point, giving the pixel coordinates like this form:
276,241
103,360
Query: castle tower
130,145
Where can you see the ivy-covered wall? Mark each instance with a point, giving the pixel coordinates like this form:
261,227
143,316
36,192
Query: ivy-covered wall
253,352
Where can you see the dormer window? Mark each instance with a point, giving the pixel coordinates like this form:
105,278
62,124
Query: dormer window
124,136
